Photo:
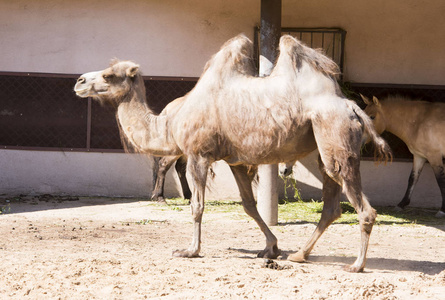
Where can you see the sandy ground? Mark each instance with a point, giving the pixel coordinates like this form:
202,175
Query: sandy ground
121,249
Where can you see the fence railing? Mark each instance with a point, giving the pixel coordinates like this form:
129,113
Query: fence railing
330,40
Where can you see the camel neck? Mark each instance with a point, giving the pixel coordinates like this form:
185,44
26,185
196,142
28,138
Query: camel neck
146,131
400,119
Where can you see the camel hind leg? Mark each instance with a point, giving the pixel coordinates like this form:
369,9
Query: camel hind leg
162,165
244,182
340,154
439,172
418,163
366,214
331,212
181,167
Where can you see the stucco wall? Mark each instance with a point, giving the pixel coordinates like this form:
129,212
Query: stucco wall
167,37
97,174
387,41
130,175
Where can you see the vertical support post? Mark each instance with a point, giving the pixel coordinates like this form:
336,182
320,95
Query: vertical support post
89,113
270,33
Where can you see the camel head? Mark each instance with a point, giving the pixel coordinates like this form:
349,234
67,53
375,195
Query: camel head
113,84
374,111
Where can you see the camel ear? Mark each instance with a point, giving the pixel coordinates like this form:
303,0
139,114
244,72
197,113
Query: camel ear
376,101
133,71
365,99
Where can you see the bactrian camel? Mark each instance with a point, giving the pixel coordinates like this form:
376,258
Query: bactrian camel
234,116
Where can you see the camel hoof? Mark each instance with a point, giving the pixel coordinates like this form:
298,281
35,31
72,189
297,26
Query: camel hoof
298,257
398,209
353,269
440,214
184,253
270,253
160,200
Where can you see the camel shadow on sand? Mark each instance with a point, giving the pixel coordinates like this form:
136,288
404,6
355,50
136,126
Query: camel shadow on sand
385,265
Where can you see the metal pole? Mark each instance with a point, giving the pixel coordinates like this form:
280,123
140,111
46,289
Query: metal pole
270,33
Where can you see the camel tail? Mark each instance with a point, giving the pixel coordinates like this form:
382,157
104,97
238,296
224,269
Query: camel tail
382,151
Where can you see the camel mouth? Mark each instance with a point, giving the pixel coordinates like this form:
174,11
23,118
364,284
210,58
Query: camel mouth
83,93
101,92
89,91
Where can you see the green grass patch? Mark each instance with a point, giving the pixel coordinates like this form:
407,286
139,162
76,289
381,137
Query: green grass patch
309,211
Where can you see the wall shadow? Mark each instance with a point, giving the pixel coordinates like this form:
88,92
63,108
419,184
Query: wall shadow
26,204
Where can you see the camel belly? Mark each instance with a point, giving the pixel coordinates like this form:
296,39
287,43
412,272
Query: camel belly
269,153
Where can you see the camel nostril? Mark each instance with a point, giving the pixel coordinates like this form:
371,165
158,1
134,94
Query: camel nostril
81,80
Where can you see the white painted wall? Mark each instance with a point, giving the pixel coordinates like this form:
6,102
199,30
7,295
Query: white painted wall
130,175
74,173
386,41
96,174
166,37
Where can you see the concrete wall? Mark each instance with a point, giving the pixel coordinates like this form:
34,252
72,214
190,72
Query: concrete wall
130,175
166,37
386,41
96,174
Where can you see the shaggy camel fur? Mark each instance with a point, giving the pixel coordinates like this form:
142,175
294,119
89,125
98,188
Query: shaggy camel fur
421,126
245,120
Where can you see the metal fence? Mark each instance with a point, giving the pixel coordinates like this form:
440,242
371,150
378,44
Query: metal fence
41,112
330,40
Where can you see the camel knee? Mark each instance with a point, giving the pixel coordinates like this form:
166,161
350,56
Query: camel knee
367,219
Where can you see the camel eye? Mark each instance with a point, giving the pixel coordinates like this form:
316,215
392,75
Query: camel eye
107,77
372,117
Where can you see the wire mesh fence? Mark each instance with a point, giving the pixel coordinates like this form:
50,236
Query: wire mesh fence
42,111
330,40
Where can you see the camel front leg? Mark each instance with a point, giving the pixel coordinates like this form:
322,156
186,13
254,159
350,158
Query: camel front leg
331,212
418,163
244,182
197,168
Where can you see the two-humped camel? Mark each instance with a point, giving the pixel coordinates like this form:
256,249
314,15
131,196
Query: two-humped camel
234,116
